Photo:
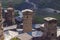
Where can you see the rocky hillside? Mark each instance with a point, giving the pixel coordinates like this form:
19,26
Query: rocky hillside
55,4
43,8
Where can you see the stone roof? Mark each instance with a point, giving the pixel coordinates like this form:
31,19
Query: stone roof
10,27
37,33
42,25
27,10
49,18
9,8
24,36
10,34
37,25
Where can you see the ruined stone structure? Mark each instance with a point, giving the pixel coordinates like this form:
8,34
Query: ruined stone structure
9,16
27,20
50,31
1,24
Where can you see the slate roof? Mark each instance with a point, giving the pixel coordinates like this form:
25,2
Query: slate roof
33,33
24,36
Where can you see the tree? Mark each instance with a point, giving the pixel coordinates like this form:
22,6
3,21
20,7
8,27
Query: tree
15,38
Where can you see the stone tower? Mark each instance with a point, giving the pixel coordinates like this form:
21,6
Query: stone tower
10,14
27,20
1,24
50,28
